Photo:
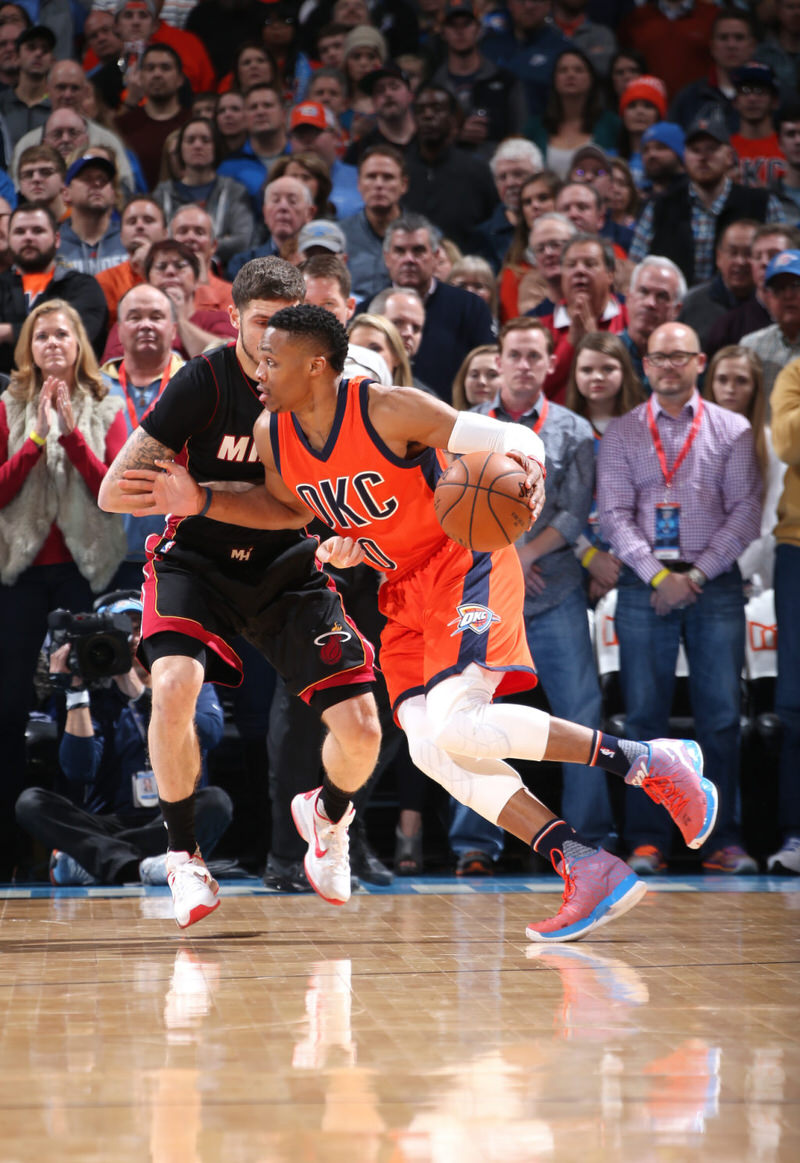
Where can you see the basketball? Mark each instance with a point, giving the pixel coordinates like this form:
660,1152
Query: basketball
481,501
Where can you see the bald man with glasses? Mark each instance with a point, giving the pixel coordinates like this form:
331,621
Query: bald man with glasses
679,498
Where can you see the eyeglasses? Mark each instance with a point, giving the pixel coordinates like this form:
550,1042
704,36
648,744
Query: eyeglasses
750,90
178,264
553,244
670,358
589,174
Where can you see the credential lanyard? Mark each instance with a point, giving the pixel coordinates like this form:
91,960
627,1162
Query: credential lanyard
669,474
123,381
540,419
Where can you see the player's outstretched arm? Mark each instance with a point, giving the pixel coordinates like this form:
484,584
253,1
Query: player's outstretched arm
405,416
170,488
139,451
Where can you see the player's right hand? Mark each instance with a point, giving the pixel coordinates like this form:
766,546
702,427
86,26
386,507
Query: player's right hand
340,552
169,488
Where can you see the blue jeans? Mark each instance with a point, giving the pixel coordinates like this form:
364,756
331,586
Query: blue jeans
562,650
787,687
713,631
469,832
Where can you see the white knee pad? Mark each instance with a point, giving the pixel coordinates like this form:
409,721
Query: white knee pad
465,722
485,785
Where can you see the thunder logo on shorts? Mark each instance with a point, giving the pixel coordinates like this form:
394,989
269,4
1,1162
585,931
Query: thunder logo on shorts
472,616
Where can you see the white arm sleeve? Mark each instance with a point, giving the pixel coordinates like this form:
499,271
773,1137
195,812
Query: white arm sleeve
475,433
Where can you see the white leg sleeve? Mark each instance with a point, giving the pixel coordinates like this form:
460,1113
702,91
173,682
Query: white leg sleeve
485,785
466,722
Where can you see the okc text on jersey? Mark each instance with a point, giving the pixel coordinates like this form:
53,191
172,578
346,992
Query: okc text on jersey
474,617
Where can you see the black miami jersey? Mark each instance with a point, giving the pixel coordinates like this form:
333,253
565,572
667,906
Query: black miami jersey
209,408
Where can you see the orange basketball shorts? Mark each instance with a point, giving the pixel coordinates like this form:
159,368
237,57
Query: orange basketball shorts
457,608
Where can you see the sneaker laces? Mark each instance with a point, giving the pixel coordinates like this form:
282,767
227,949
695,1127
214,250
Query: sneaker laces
336,841
196,869
566,875
663,790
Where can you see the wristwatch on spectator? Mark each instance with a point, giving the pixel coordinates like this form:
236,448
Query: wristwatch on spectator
697,576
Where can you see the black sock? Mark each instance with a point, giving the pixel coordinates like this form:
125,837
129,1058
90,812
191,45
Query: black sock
334,800
615,755
558,837
179,818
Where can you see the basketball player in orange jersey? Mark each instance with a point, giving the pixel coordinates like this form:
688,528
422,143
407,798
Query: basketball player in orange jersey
363,458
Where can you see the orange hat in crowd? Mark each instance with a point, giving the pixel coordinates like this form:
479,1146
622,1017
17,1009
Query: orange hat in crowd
645,88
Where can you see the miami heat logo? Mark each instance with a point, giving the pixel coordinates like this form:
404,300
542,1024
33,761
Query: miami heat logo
330,644
473,617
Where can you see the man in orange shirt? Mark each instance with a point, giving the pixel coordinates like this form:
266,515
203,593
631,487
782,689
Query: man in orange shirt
142,224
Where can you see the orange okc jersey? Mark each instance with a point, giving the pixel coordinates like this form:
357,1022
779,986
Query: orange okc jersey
358,487
446,607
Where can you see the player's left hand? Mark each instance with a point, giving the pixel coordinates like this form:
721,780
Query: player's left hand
168,488
340,552
534,481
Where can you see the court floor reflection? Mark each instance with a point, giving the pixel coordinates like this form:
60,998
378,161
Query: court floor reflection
399,1029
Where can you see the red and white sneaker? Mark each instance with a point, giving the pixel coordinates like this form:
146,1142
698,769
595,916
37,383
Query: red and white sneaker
598,888
671,773
327,861
194,890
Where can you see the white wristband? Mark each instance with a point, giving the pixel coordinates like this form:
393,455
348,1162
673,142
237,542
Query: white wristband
475,433
76,699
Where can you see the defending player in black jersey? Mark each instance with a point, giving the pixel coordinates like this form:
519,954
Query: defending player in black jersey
206,581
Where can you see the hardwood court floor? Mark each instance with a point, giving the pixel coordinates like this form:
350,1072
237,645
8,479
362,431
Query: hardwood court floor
399,1028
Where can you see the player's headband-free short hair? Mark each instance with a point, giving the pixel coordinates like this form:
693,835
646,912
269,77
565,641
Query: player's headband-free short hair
318,326
267,278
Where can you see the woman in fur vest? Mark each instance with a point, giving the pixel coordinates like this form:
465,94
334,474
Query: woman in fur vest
59,432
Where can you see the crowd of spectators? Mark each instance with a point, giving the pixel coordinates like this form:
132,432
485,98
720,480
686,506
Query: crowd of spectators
612,187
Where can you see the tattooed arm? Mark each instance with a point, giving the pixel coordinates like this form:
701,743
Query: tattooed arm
139,451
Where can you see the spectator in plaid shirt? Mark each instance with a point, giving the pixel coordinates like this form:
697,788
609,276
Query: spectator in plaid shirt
686,223
679,498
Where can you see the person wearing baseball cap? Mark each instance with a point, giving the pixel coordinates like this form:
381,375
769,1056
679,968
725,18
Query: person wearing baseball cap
591,166
90,238
779,344
491,98
732,42
756,143
321,237
313,127
27,105
389,88
685,222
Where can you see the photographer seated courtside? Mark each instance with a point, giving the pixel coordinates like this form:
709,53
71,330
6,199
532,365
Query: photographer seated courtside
107,829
